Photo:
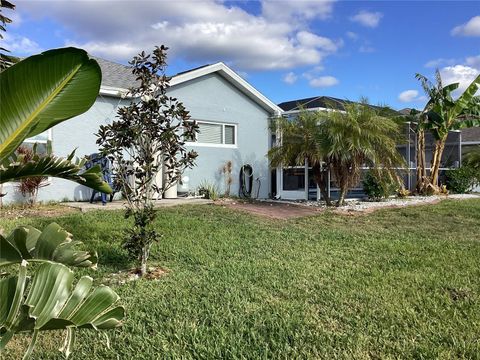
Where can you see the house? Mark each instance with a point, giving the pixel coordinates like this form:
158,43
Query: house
296,182
233,119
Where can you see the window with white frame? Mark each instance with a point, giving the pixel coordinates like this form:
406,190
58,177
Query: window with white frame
41,140
211,133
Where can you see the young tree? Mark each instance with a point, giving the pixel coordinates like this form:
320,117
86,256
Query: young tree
148,136
442,114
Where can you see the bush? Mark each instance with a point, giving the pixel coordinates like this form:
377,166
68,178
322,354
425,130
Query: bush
29,186
461,180
378,185
209,191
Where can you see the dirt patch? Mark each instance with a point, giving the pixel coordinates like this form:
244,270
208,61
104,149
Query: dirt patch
125,276
269,209
18,212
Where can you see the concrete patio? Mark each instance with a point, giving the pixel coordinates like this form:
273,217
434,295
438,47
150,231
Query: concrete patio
85,206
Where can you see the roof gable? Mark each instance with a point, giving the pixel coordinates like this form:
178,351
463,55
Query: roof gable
118,78
233,78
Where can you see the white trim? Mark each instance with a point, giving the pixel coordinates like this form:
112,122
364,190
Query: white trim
470,143
233,78
225,146
114,91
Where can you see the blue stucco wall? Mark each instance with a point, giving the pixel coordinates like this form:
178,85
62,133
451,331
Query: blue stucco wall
212,98
79,133
209,98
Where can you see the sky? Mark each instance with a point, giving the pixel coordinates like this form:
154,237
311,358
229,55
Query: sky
288,49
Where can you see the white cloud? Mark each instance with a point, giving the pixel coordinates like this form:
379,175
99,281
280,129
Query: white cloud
309,39
323,81
464,75
206,31
473,61
290,78
410,96
470,28
286,10
313,73
366,49
439,62
367,18
352,36
20,45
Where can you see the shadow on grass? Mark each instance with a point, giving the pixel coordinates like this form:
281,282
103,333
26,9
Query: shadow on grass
99,231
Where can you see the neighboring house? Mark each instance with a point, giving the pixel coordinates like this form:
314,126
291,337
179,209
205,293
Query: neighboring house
233,118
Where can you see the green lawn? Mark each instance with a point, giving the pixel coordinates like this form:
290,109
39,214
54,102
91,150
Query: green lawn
399,283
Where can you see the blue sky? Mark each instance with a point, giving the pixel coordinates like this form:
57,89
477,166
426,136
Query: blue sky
287,49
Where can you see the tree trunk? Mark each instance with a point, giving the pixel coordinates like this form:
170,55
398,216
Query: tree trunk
143,262
436,161
321,179
422,179
343,193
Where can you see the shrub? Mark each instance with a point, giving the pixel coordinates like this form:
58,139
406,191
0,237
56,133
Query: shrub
29,186
378,185
461,180
209,191
403,193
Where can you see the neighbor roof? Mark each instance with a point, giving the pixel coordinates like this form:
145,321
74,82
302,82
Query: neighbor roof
322,102
314,102
471,135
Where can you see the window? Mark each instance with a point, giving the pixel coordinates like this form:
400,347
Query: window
41,140
294,179
210,133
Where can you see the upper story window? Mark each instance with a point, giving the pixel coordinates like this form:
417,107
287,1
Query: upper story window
215,134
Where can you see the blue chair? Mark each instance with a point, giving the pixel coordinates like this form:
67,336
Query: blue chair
104,162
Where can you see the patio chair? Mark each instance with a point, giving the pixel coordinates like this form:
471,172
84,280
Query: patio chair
104,162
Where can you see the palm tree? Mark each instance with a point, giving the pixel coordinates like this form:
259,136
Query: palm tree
443,114
300,141
356,138
472,158
340,141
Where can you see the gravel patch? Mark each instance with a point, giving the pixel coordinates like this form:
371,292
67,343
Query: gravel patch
364,205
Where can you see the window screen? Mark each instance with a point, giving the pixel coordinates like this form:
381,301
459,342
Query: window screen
229,135
210,133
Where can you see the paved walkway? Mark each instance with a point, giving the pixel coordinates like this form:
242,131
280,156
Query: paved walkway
85,206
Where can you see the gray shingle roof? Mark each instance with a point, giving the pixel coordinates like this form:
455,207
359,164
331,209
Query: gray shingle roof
116,75
471,134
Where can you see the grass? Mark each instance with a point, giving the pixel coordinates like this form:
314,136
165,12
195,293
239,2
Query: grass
398,283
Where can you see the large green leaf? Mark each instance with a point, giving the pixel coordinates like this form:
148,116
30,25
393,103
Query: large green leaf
51,304
50,165
465,100
44,90
53,244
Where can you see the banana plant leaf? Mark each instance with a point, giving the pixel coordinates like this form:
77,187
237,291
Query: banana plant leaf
52,303
50,165
53,244
467,99
44,90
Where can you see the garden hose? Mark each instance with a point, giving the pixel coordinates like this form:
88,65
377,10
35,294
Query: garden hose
246,171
